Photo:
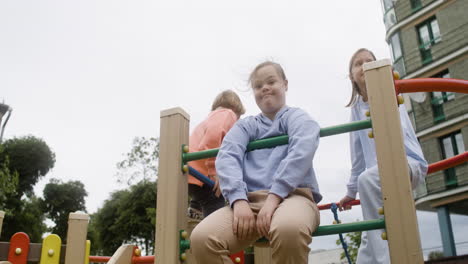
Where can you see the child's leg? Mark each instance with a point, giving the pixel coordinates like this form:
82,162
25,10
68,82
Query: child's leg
213,239
373,249
291,228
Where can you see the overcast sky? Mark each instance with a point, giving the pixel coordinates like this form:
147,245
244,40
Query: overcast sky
89,76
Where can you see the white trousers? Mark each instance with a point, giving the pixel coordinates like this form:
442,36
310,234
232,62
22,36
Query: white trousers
373,249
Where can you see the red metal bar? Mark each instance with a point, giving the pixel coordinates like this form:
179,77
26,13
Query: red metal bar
328,206
448,163
99,259
143,260
431,85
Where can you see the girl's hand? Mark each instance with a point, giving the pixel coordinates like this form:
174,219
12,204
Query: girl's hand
216,187
343,201
265,214
243,224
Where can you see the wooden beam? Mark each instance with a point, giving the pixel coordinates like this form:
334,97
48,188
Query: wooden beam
450,199
172,185
2,215
402,232
76,238
34,251
262,255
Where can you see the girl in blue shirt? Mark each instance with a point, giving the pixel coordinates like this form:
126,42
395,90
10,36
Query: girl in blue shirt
365,177
272,192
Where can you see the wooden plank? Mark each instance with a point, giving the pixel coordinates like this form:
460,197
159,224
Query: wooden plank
191,224
123,255
451,199
50,253
402,232
2,215
19,248
34,252
76,238
4,247
172,185
262,255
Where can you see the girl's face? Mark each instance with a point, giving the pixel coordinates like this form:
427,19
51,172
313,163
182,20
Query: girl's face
357,73
269,90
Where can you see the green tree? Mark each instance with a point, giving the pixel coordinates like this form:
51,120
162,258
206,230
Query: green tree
30,157
127,217
140,162
26,159
353,240
109,236
433,255
27,217
61,199
8,181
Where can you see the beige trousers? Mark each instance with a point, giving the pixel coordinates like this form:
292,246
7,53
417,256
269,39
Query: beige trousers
292,225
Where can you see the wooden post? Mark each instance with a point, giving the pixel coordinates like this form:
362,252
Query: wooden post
2,215
76,238
262,255
191,224
400,213
172,185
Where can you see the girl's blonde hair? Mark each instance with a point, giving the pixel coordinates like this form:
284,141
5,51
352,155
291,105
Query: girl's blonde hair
277,67
356,92
230,100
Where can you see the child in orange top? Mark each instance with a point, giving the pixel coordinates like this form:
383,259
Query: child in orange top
225,111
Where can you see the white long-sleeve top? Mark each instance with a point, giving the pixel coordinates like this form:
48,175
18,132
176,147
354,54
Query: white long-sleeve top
363,154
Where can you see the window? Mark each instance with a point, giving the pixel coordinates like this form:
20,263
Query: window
395,46
439,98
397,52
429,34
451,145
389,18
387,4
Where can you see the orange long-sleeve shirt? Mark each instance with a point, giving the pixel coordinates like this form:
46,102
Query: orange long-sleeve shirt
209,134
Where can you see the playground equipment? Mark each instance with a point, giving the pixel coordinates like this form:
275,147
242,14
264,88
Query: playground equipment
172,229
52,252
401,232
76,251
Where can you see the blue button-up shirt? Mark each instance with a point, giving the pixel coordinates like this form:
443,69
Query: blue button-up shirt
280,169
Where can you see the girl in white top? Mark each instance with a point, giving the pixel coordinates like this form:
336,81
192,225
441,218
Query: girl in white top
365,177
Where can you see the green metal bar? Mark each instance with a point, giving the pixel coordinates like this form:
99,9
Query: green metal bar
281,140
344,228
350,227
268,142
348,127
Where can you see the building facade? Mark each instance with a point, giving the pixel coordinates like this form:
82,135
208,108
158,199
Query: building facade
429,38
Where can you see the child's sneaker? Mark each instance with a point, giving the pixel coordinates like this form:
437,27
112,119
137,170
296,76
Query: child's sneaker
194,213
